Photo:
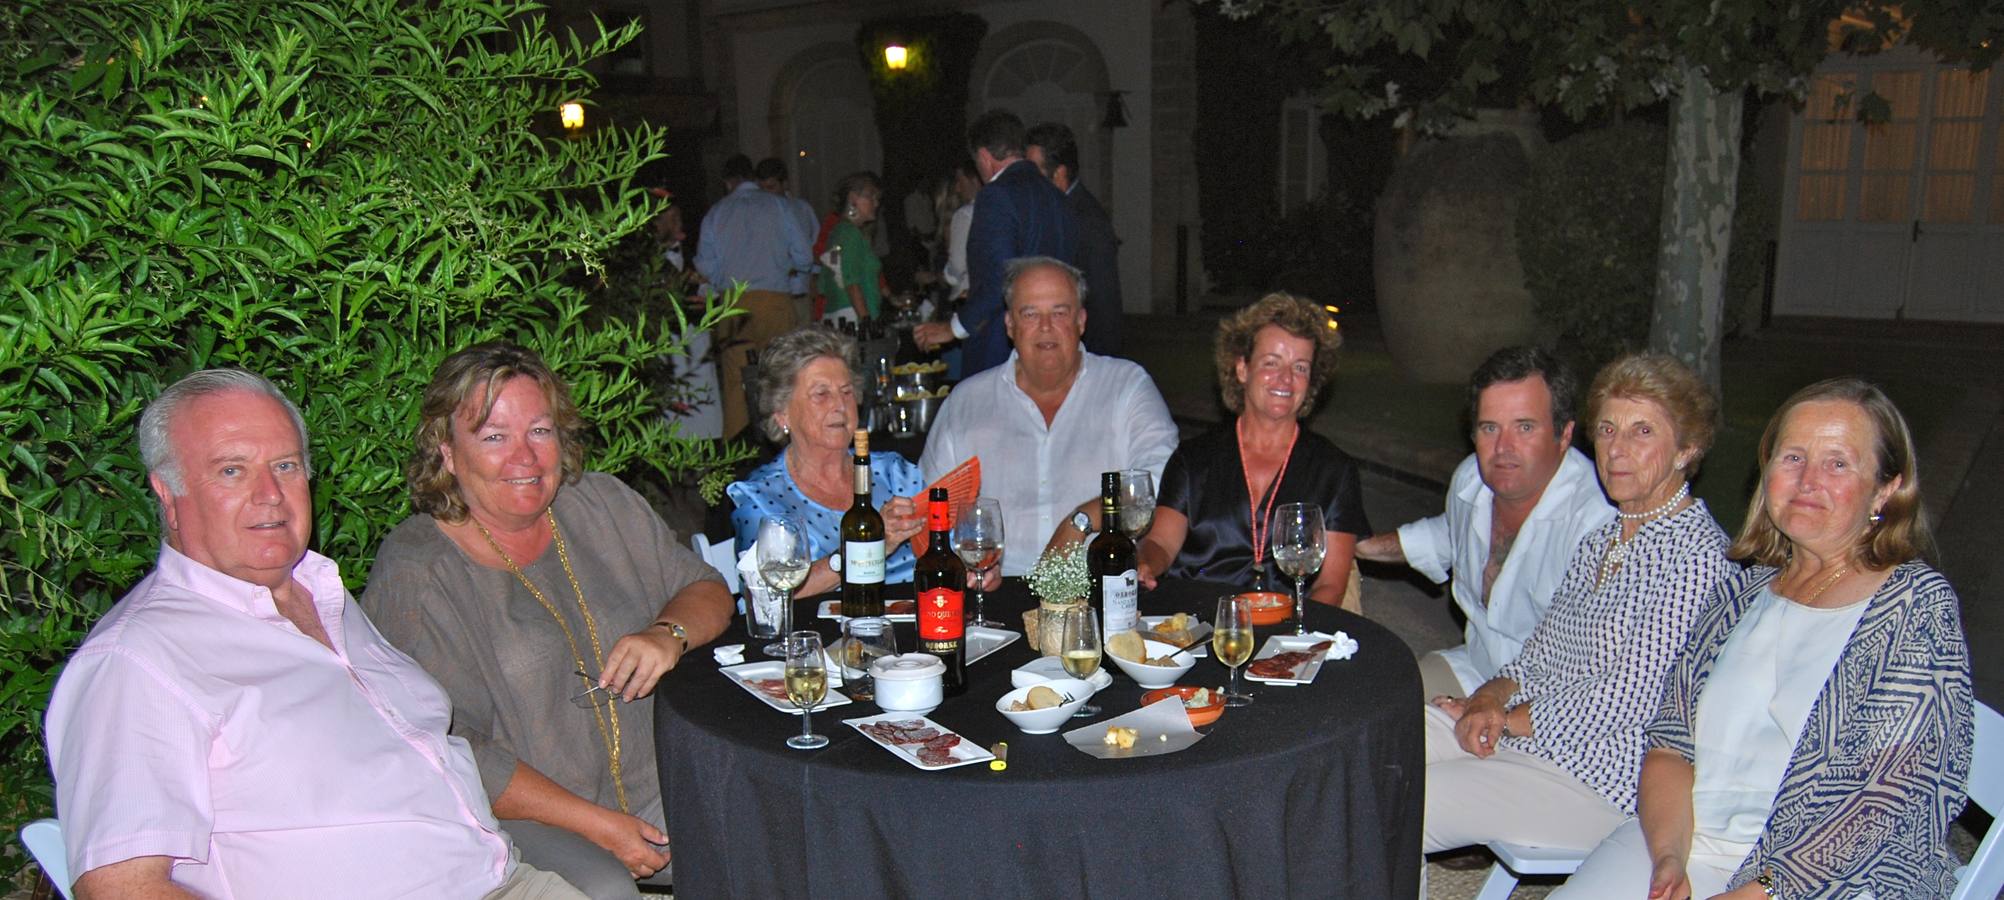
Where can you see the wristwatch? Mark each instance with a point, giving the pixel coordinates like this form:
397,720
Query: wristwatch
676,629
1081,521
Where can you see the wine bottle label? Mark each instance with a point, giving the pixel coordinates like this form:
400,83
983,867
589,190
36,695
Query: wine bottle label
939,615
1120,595
863,562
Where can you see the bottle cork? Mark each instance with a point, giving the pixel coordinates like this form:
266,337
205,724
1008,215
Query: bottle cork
862,443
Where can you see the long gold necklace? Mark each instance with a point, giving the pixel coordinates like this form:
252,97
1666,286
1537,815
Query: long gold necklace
609,737
1827,583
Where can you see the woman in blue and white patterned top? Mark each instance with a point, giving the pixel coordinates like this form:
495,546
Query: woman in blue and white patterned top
1834,754
807,401
1546,752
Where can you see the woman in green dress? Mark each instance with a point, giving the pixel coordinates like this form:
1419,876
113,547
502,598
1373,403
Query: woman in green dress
856,277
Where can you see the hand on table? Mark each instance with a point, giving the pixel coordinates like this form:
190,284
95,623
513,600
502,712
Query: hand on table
931,336
1146,574
1478,724
639,846
639,660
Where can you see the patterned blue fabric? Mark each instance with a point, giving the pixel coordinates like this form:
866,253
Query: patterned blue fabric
1593,670
770,491
1880,769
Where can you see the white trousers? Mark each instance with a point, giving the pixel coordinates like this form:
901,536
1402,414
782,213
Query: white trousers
1620,867
1510,796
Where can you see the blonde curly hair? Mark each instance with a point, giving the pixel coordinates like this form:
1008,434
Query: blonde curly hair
1298,316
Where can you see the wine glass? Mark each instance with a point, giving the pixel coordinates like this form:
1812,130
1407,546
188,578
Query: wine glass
1232,641
1137,502
1299,543
1079,649
977,539
806,685
864,641
782,563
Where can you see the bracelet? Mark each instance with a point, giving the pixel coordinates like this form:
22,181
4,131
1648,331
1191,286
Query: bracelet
1766,881
676,629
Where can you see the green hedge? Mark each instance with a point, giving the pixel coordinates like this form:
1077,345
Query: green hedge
334,194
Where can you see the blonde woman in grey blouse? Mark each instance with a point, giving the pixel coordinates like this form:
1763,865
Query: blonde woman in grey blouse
545,599
1546,752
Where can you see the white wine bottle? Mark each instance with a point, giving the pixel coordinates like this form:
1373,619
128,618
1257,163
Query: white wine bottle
862,544
1114,586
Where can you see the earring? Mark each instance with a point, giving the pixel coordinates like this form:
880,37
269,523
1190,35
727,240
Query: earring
1874,518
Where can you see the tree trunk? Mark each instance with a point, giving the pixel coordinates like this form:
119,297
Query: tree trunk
1699,186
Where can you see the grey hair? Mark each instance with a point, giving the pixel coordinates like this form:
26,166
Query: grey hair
782,361
1021,264
157,452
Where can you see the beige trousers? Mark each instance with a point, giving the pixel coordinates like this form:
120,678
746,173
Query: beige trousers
768,314
531,883
1510,796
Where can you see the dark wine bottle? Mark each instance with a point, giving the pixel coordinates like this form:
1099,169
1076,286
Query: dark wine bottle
1114,586
941,581
862,544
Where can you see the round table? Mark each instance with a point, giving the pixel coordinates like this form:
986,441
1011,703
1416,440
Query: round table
1313,790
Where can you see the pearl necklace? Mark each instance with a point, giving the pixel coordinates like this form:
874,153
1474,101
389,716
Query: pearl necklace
1617,547
1682,492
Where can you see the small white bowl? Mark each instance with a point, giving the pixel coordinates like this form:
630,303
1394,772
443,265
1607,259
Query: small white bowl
1156,676
1045,721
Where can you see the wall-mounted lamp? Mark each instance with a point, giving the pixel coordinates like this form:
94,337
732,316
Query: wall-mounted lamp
895,57
572,115
1116,111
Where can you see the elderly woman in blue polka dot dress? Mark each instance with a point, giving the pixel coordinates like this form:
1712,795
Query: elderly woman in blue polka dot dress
1547,752
807,398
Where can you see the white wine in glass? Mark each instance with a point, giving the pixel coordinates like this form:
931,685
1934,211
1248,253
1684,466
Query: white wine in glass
1232,641
1079,649
781,552
806,685
1299,543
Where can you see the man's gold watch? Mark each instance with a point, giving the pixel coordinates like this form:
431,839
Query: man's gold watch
676,629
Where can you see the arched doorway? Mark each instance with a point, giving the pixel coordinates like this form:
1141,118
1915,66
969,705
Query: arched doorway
823,122
1046,72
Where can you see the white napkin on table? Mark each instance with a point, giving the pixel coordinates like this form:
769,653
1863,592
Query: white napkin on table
729,654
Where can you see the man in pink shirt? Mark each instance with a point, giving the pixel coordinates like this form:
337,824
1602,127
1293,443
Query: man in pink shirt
235,726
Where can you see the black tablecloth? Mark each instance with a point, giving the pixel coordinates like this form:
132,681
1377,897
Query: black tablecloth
1312,791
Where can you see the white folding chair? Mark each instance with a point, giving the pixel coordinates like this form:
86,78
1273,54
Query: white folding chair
44,840
1984,876
722,557
1514,860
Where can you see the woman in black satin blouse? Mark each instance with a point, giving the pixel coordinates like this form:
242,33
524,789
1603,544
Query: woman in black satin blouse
1273,358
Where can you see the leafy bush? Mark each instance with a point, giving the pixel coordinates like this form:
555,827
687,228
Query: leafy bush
334,194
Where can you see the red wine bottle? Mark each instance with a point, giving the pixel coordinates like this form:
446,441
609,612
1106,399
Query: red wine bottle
941,580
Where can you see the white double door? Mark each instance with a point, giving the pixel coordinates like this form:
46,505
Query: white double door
1904,217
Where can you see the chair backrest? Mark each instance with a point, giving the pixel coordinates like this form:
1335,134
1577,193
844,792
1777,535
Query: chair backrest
44,840
1984,875
723,557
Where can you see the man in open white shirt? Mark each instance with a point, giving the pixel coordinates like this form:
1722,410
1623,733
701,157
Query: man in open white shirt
1051,419
1516,511
235,726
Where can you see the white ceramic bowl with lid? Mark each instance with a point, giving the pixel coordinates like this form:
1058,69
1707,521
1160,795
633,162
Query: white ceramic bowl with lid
909,682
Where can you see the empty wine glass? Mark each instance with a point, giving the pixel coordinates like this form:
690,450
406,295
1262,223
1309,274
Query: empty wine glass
1299,543
782,563
1232,641
977,539
1137,502
806,685
1079,648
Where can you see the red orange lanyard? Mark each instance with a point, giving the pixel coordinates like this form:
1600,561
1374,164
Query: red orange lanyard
1260,526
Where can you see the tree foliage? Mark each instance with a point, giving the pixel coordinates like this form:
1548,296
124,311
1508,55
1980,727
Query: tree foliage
334,194
1586,58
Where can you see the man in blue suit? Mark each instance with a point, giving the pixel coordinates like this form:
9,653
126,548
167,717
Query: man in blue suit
1055,152
1017,214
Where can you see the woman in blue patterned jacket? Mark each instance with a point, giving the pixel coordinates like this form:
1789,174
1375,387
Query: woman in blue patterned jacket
1834,756
1546,752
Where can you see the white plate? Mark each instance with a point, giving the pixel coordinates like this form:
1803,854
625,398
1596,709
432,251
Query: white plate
1200,636
744,674
1050,668
982,641
832,609
964,753
1303,673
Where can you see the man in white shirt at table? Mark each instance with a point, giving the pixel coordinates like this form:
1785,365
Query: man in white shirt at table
1516,510
1053,417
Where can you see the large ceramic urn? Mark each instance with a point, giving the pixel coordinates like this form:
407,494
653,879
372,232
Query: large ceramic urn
1450,288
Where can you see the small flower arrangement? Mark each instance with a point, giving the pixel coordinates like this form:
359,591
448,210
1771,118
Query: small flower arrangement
1060,575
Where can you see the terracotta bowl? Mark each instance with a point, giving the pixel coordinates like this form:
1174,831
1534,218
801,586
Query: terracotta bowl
1270,607
1200,716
